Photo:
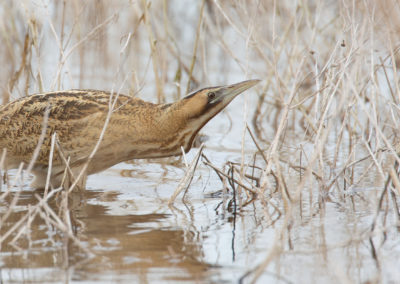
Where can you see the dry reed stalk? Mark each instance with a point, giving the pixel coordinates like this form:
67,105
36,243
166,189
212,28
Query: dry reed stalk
395,179
241,179
218,172
274,145
25,64
19,225
242,154
10,209
195,46
68,53
43,210
257,145
58,223
154,51
53,142
2,169
187,178
230,178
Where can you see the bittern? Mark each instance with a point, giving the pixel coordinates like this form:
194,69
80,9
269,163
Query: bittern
136,129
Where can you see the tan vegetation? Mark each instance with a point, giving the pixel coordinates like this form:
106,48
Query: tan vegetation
322,125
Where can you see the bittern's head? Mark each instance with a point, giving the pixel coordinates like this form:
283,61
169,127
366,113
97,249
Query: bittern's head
199,107
204,104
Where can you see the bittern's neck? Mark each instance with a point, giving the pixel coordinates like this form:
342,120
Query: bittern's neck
177,123
161,130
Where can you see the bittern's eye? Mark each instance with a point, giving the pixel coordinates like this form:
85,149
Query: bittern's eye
211,95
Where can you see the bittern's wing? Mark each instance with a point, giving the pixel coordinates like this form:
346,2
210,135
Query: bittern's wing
76,116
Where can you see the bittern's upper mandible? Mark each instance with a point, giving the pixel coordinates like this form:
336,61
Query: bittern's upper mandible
136,129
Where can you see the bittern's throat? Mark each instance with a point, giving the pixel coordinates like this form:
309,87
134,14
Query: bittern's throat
136,129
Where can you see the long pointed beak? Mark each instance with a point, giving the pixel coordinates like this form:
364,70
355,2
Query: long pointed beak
227,93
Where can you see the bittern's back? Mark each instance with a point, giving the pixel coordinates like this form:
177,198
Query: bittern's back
77,116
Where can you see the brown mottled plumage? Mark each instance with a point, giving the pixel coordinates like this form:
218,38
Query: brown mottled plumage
136,129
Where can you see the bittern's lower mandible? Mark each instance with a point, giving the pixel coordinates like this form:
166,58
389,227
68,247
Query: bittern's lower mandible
136,129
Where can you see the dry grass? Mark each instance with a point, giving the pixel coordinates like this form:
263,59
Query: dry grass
325,124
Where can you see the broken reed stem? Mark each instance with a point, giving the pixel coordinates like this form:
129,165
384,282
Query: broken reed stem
217,171
53,142
257,145
187,178
48,215
66,162
2,168
395,179
10,207
207,163
346,166
40,141
184,157
19,223
63,226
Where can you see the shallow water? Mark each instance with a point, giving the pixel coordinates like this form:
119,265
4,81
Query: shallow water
124,220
